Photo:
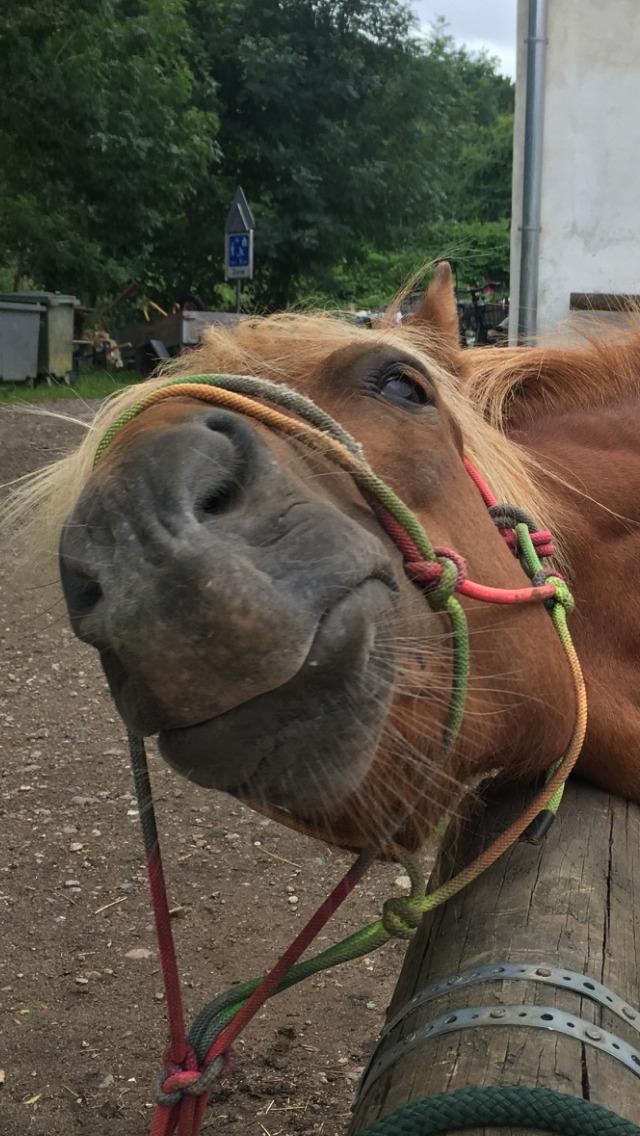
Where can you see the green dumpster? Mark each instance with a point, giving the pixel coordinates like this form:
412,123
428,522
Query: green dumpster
55,348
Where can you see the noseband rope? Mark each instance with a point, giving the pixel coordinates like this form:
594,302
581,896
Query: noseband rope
193,1063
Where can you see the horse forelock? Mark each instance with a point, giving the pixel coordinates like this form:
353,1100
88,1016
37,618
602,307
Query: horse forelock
286,347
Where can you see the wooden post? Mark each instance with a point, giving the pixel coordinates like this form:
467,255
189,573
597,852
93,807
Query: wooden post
572,902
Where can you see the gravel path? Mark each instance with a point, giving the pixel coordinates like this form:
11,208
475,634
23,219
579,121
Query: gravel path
82,1023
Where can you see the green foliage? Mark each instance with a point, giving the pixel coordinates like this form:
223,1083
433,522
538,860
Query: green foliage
367,279
477,250
484,181
319,123
365,149
99,137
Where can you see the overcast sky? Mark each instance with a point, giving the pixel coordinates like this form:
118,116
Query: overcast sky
477,23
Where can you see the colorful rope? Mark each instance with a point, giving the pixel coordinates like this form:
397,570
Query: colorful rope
194,1063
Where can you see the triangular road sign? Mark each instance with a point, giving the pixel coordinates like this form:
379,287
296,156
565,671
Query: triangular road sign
239,218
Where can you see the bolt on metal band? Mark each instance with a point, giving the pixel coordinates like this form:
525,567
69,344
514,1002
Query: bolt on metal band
531,1017
557,976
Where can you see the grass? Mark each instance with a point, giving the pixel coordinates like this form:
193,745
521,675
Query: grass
88,384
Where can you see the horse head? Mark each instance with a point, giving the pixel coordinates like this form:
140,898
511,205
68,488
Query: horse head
250,611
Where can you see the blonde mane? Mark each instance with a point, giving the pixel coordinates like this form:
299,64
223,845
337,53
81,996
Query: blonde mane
285,347
512,386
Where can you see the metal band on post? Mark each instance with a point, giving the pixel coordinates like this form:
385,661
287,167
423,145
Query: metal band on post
531,1017
556,976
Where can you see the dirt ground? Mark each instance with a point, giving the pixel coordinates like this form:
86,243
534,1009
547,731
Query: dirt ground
82,1023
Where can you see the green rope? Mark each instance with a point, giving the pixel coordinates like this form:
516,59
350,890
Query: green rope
217,1013
244,384
502,1106
441,598
401,914
291,400
461,667
562,605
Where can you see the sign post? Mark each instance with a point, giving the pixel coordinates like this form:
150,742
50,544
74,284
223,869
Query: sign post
238,242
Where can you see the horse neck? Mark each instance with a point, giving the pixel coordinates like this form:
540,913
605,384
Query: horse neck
593,458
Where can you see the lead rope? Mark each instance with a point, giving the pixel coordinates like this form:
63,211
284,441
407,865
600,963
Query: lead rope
502,1106
194,1063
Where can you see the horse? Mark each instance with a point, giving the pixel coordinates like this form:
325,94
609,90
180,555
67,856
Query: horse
251,613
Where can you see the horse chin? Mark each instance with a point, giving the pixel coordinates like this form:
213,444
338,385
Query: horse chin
309,743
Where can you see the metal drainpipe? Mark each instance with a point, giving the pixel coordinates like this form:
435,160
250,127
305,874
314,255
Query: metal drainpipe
532,173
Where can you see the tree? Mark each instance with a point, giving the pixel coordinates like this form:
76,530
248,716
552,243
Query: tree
320,122
478,131
99,138
483,187
125,126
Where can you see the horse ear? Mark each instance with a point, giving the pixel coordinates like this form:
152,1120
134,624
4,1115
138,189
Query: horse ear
438,308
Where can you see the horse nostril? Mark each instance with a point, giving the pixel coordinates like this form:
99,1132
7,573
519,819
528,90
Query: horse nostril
83,595
217,500
222,464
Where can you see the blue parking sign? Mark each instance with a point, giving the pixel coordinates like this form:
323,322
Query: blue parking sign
238,260
238,250
238,239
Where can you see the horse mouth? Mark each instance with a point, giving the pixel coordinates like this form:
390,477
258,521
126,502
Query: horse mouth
304,741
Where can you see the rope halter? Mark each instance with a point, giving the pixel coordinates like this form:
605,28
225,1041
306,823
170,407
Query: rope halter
441,574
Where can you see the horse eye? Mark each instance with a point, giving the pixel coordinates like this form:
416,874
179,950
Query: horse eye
402,387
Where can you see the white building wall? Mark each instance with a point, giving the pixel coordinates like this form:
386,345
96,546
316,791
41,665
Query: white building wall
590,219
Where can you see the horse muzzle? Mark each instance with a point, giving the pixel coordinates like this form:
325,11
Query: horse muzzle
237,608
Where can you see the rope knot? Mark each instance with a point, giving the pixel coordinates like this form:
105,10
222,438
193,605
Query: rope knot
401,917
187,1077
506,517
438,578
563,595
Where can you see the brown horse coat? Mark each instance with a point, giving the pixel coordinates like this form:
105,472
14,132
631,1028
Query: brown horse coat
248,608
577,411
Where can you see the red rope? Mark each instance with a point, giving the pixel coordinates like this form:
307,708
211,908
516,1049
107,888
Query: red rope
291,955
427,573
506,595
178,1053
188,1112
542,540
181,1062
178,1047
487,495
